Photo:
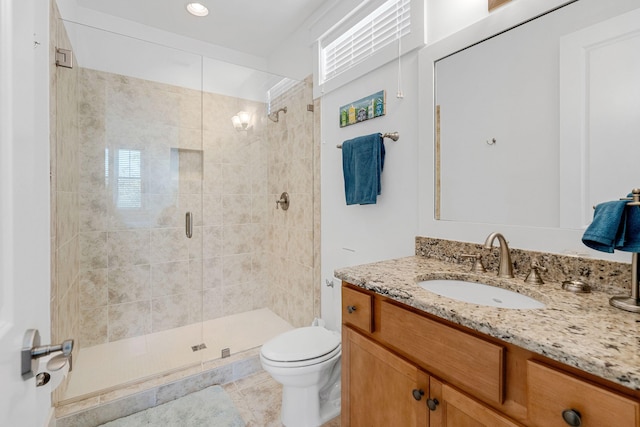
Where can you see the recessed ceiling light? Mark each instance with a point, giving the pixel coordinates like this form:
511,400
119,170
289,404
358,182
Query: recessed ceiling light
197,9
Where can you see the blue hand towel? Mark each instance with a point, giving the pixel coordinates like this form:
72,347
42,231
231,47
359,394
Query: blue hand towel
630,239
607,228
362,163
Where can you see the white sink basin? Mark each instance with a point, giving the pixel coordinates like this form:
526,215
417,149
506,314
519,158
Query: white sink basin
478,293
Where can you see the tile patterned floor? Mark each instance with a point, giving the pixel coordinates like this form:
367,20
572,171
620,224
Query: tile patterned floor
258,399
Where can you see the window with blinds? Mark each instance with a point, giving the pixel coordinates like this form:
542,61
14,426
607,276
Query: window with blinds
129,178
383,26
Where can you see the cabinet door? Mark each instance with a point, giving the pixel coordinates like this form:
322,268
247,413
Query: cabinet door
456,409
379,389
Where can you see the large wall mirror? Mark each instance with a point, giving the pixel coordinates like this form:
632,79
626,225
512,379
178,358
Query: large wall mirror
536,125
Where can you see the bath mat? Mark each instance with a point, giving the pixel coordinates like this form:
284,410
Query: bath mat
209,407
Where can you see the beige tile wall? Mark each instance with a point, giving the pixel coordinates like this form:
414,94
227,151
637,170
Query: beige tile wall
294,234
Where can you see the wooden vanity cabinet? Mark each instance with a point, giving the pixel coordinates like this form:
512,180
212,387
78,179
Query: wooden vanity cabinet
380,388
401,367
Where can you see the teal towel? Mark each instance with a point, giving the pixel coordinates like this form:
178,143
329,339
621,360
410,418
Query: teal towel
607,226
615,226
362,164
630,238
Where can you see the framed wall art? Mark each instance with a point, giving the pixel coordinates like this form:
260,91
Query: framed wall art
363,109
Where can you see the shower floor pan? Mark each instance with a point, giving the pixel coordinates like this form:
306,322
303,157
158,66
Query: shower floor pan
105,367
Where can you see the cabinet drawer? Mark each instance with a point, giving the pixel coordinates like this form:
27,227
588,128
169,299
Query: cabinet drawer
550,392
357,309
468,362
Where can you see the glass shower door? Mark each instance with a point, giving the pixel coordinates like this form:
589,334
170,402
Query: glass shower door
131,175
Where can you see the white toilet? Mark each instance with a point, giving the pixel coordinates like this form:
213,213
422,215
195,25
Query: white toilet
306,361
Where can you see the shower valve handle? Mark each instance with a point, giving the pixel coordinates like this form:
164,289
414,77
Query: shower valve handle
283,202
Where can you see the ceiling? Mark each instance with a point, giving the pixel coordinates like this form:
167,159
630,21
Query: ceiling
256,27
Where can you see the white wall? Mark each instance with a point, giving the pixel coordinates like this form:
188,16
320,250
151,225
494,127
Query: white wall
445,17
358,234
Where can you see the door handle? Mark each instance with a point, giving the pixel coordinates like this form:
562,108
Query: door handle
32,351
188,223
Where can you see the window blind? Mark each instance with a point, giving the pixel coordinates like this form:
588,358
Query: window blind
129,179
384,25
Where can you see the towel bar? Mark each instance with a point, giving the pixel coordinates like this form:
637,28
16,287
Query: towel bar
391,135
636,195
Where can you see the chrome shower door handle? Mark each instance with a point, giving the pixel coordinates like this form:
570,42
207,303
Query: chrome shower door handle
188,223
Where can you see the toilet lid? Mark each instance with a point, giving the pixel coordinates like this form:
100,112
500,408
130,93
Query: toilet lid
299,344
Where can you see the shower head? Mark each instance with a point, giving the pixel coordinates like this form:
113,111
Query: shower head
274,117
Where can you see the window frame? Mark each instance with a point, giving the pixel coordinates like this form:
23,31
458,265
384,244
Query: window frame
414,40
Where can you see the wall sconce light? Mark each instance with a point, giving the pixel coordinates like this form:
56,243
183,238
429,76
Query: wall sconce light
241,120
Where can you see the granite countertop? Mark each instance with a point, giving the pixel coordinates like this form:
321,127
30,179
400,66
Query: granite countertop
580,330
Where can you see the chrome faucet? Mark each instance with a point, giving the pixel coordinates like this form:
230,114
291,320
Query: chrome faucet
505,268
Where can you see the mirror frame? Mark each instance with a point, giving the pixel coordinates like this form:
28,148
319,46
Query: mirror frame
542,239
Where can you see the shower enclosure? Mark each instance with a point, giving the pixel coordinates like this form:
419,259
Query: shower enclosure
168,250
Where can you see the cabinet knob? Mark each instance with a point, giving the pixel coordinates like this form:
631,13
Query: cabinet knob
572,417
432,404
351,308
417,393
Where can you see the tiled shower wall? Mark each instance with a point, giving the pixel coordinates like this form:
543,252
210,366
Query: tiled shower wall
294,282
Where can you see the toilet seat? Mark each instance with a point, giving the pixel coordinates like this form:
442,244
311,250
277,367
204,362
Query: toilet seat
302,363
301,347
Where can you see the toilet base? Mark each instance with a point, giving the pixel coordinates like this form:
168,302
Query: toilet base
329,410
301,407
